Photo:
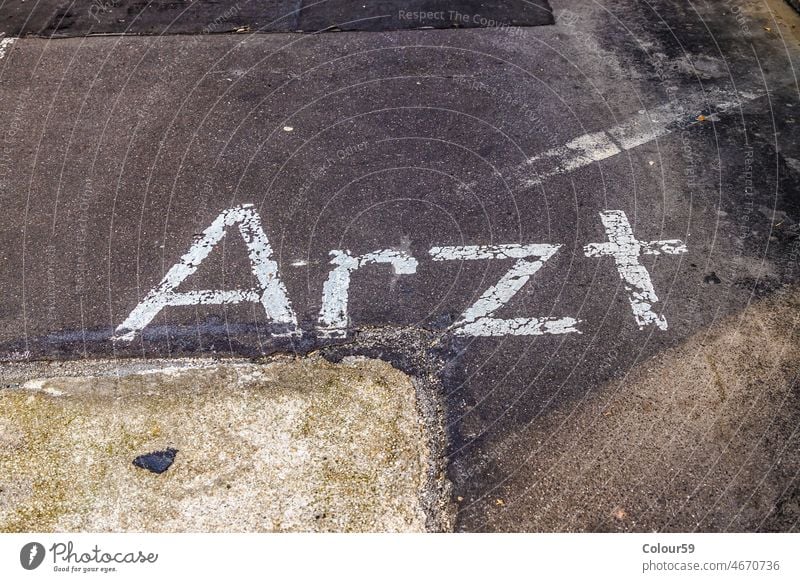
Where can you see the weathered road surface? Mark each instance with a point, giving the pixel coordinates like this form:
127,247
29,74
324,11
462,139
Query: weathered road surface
528,220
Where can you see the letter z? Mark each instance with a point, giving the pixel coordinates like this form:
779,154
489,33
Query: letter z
478,319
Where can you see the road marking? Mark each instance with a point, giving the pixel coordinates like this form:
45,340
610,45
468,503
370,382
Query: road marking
642,128
626,250
271,293
477,320
333,318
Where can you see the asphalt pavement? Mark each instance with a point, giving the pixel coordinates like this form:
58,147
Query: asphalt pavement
526,218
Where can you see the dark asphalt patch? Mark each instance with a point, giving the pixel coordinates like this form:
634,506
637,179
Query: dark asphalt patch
61,18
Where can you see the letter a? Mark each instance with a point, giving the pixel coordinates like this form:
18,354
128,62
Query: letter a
271,293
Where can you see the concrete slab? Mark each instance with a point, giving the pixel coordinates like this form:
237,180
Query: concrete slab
286,445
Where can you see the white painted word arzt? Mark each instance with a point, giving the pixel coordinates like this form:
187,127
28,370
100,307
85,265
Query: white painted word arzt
478,319
271,292
625,249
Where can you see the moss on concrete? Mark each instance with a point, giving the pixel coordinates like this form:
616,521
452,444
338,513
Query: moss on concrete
291,445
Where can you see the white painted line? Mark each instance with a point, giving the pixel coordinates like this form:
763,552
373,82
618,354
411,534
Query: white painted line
494,327
477,253
625,250
577,153
644,127
333,318
271,294
478,319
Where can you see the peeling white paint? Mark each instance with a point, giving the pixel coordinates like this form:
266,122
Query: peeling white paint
644,127
271,292
626,249
478,319
4,44
333,318
577,153
40,385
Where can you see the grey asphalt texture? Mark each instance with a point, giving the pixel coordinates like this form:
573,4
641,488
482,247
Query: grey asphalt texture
116,152
57,18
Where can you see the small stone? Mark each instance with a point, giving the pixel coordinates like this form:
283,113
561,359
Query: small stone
157,461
